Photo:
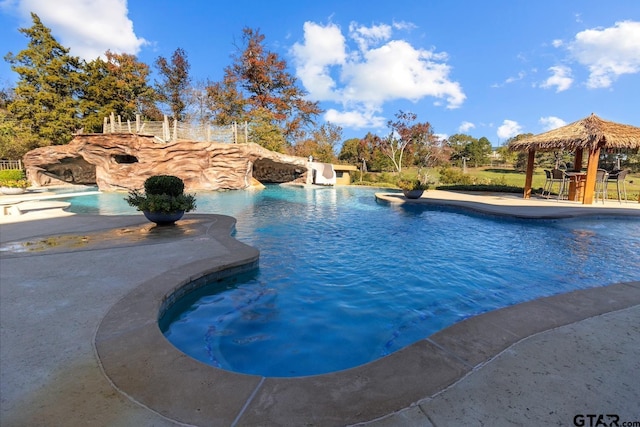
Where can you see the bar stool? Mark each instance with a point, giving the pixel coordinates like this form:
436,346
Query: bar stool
601,184
561,177
547,184
619,178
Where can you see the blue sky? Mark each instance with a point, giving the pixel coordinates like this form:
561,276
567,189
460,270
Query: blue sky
491,68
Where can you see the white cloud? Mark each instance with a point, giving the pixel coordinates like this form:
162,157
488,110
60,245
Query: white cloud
88,28
324,47
403,25
397,70
466,127
509,129
354,119
521,75
551,122
366,36
560,78
608,53
377,70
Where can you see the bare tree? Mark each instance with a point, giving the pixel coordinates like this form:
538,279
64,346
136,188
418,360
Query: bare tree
405,135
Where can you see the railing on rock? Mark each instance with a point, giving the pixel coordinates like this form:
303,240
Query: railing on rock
11,164
165,131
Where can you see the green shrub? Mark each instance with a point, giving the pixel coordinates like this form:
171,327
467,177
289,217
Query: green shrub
13,178
11,175
369,177
387,177
164,184
502,181
163,193
412,184
483,187
453,176
419,181
374,184
163,203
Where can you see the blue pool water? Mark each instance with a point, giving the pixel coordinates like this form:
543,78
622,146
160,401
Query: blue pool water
344,280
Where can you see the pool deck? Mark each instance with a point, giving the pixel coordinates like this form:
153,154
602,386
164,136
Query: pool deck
513,205
79,342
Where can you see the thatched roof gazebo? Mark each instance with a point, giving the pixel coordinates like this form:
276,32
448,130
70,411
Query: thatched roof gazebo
590,134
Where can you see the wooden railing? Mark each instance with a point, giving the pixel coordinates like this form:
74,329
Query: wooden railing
166,131
11,164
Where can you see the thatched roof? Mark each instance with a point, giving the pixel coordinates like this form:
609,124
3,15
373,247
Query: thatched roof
589,133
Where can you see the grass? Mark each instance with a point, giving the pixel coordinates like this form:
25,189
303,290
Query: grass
503,180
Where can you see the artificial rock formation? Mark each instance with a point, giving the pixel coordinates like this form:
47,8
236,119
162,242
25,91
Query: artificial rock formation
124,161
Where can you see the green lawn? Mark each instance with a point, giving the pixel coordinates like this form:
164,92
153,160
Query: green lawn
503,177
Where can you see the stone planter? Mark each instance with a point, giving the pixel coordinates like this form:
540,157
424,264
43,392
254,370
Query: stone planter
412,194
161,218
12,190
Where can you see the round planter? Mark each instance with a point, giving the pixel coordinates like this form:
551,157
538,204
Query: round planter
161,218
12,190
413,194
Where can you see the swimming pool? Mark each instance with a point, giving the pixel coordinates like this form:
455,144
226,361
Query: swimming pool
344,280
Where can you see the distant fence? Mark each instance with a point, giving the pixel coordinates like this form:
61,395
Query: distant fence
11,164
166,131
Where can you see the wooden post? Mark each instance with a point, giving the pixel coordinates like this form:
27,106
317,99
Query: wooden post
119,123
529,178
166,133
590,183
113,122
577,163
246,133
105,123
137,123
128,125
235,133
175,129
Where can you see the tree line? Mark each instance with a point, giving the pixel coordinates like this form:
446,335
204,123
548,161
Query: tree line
57,95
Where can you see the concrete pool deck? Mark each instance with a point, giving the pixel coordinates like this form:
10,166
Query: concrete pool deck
513,205
79,300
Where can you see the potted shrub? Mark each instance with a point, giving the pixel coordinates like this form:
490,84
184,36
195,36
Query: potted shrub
163,200
13,181
412,188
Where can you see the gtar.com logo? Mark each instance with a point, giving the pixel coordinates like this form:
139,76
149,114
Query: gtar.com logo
596,420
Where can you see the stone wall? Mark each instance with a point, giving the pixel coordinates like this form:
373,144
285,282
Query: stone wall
124,161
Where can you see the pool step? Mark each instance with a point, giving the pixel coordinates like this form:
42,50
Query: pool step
30,206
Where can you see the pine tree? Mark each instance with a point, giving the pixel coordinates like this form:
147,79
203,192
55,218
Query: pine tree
45,98
173,89
120,85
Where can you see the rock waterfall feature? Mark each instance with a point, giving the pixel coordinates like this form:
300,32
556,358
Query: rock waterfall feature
123,162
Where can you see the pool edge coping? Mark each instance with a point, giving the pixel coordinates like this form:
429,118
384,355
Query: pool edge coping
144,366
513,207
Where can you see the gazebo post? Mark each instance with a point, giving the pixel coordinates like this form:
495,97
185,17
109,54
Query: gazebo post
529,177
590,183
577,162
